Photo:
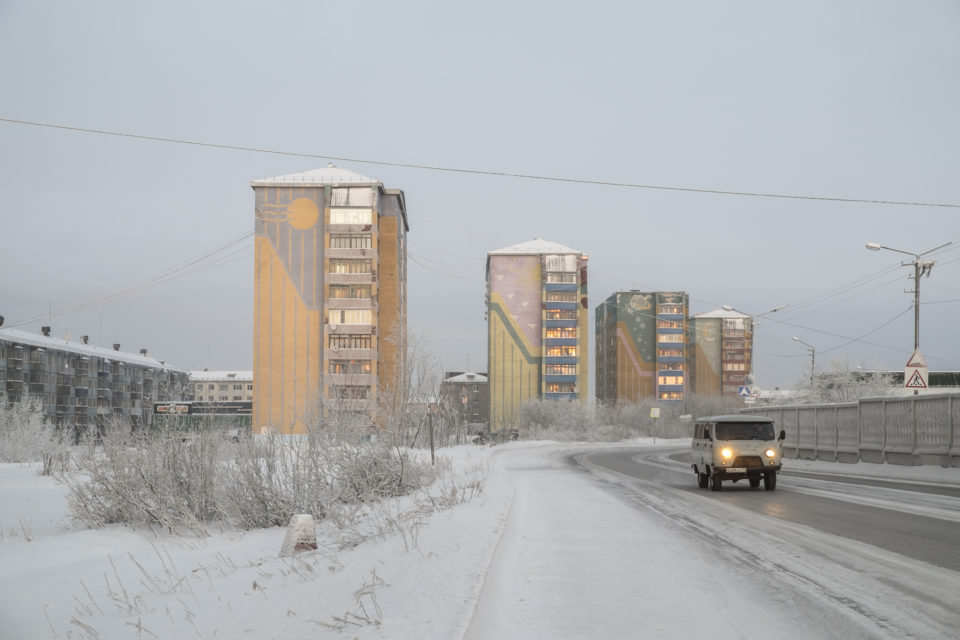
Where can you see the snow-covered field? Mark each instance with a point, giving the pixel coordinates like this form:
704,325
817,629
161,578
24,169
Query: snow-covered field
451,575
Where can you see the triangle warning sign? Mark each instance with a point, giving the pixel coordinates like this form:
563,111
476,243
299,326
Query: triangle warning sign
916,360
916,381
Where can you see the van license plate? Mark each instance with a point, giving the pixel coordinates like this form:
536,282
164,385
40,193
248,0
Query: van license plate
737,470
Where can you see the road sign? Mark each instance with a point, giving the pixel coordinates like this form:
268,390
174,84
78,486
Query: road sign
743,391
916,373
654,412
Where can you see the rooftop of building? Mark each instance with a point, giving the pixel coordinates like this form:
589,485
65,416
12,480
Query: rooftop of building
329,175
721,313
537,246
16,336
221,376
469,376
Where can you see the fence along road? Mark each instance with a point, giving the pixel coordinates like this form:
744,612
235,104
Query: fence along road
897,430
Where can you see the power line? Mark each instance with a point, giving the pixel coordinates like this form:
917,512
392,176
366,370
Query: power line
481,172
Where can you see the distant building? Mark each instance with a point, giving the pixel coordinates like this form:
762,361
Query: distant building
468,393
84,385
723,352
642,346
330,298
221,386
537,326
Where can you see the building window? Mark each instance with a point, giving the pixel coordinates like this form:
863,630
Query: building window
671,395
351,216
352,291
237,398
348,392
671,366
670,353
238,387
562,350
564,278
561,296
211,387
350,241
562,332
223,398
350,316
349,366
249,387
669,324
349,341
223,387
346,265
561,370
670,337
351,197
560,262
561,314
734,366
561,387
670,380
673,309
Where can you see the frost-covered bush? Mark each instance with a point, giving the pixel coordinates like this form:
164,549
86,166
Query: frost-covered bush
27,436
184,480
164,478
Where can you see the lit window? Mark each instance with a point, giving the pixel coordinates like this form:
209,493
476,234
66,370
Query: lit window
345,265
562,350
351,316
351,216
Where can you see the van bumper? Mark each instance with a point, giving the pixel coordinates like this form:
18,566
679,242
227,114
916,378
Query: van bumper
737,473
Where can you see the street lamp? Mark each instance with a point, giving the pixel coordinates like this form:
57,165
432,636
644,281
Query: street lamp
813,355
753,325
920,267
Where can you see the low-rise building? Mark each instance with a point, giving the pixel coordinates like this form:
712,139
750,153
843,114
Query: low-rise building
84,385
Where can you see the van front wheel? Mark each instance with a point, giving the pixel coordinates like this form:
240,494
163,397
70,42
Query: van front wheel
770,480
715,483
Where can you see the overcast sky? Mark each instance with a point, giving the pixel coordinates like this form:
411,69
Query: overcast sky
852,99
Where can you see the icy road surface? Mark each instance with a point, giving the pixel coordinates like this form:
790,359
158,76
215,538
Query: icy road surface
614,543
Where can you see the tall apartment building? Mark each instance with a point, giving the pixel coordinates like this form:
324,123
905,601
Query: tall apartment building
537,326
330,299
723,352
83,385
642,346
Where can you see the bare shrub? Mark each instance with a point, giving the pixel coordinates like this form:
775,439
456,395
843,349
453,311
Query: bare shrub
164,478
24,431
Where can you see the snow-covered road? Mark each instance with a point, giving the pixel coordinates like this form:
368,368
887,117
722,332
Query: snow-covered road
557,546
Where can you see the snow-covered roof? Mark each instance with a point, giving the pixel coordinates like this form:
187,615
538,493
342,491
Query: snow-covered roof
331,174
536,246
44,342
217,376
469,376
721,313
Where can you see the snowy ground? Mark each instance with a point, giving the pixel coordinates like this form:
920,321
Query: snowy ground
539,538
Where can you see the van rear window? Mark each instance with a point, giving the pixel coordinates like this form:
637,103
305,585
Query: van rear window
744,431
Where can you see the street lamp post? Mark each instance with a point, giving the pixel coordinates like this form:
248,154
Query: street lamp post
920,268
753,328
813,355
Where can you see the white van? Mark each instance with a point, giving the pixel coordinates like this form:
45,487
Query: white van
735,447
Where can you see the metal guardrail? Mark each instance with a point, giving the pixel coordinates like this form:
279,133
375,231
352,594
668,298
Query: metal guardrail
911,430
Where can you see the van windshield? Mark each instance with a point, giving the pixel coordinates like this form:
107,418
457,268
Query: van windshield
744,431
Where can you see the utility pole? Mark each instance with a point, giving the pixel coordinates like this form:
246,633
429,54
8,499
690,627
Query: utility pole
920,268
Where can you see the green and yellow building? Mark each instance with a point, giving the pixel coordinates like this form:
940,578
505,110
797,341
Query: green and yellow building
537,327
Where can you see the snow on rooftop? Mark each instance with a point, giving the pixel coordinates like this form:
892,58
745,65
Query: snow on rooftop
331,174
469,376
721,313
74,346
536,246
211,376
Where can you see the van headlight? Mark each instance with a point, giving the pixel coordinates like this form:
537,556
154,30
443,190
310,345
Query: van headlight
726,452
770,453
